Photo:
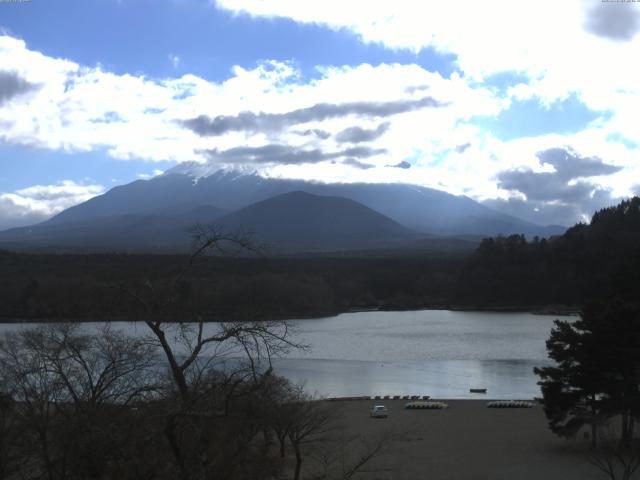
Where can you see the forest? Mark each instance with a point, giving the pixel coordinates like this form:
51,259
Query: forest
588,262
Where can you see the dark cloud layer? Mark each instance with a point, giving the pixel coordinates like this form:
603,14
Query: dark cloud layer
549,186
352,162
561,197
287,155
13,85
360,135
274,122
416,88
403,164
619,21
322,134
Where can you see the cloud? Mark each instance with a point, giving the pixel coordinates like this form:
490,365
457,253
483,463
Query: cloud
416,88
287,154
321,134
568,59
13,85
352,162
360,135
274,122
564,184
462,147
81,108
403,164
569,165
618,21
39,202
565,214
560,196
147,176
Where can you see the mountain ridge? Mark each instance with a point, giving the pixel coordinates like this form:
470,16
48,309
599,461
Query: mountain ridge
155,213
419,208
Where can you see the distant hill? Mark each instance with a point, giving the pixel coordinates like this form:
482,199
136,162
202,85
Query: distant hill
419,208
598,260
294,221
302,221
133,232
153,215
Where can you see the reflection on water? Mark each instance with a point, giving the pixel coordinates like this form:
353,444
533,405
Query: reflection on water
429,352
503,379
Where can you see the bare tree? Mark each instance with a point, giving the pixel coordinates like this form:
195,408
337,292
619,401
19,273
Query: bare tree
346,457
191,338
10,434
305,421
211,365
71,390
39,393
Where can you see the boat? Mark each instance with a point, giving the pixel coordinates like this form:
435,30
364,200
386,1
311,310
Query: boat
478,390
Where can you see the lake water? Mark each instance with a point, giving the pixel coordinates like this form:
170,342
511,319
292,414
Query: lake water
429,352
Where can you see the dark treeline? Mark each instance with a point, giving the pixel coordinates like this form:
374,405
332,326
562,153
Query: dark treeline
589,262
89,287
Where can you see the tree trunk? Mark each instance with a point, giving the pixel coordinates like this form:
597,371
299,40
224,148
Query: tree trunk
170,434
594,425
296,475
266,436
282,451
176,372
625,440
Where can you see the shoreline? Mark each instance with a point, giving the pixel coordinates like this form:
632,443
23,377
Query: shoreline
559,310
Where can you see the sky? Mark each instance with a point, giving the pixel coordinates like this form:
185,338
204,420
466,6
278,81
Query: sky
530,108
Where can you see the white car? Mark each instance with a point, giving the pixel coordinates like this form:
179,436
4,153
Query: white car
378,411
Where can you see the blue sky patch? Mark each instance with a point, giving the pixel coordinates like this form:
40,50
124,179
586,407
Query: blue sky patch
142,37
24,167
618,137
531,118
502,81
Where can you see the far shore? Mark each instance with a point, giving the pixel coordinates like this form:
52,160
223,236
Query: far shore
466,441
560,310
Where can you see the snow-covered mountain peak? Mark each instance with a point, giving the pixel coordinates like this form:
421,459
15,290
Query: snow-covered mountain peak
198,171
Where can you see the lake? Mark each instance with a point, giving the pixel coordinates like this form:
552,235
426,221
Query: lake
428,352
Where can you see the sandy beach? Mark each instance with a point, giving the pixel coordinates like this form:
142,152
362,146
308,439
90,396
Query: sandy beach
467,441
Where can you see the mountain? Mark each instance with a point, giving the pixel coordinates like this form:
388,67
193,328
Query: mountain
131,231
155,214
419,208
299,220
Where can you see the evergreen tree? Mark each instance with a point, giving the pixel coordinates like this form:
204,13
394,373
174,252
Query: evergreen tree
597,371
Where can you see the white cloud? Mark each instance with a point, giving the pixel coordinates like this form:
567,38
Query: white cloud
147,176
551,43
80,109
40,202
